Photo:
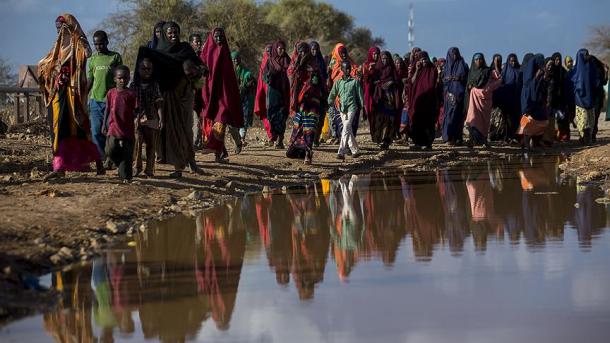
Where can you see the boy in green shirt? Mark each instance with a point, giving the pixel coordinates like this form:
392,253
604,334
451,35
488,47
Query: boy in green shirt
100,78
350,96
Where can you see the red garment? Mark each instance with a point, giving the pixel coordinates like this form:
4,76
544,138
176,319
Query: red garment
368,70
221,91
260,100
121,105
301,74
423,97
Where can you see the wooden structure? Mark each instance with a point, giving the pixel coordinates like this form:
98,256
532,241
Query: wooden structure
26,97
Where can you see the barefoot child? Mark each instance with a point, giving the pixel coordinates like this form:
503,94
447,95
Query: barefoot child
119,117
149,116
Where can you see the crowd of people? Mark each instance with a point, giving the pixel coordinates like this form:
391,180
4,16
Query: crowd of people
183,96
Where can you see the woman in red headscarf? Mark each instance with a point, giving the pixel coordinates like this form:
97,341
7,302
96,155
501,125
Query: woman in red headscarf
278,92
423,101
305,101
387,101
260,101
368,71
220,93
64,87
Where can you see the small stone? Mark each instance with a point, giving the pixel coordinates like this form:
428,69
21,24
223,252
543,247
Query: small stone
65,252
34,173
116,228
172,199
38,241
55,259
175,208
94,244
603,201
196,196
230,186
594,175
82,251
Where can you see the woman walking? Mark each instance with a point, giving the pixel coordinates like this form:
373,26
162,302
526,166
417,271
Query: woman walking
387,101
455,75
586,80
278,92
423,101
533,101
64,87
482,82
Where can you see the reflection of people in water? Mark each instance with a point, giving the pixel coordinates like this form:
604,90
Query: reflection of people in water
456,211
346,230
424,216
310,241
589,217
481,198
71,321
279,249
224,246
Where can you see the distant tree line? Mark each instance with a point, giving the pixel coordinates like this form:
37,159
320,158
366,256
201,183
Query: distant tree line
249,25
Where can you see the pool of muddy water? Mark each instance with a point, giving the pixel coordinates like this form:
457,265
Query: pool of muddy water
504,252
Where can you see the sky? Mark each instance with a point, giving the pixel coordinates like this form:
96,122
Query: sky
488,26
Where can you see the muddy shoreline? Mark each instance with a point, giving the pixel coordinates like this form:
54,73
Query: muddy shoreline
46,226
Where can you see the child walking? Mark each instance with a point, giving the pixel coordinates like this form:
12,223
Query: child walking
149,116
350,96
120,120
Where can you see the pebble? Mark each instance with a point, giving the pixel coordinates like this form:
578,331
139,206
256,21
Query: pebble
94,243
8,178
175,208
143,228
65,252
7,270
116,228
197,195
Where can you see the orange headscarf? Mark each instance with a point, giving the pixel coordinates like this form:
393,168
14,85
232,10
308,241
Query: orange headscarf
71,50
336,72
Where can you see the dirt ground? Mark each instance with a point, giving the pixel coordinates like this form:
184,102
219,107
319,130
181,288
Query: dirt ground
45,226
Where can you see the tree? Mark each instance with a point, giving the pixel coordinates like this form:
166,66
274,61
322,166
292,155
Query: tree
599,43
249,24
244,25
7,74
132,26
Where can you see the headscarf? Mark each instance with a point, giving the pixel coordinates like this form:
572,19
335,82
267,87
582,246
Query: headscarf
260,102
221,91
478,76
384,74
320,60
455,67
336,73
68,54
532,93
401,69
301,79
277,65
422,93
164,44
368,79
412,61
586,80
154,41
510,74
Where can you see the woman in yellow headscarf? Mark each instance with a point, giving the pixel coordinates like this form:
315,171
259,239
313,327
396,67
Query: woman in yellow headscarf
64,86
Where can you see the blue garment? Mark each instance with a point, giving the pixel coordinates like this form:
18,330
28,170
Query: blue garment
454,91
533,93
96,117
152,44
586,80
508,96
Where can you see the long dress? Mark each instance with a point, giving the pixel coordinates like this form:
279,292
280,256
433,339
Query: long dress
480,106
278,92
454,78
305,102
533,99
423,104
508,98
176,138
260,99
64,86
387,101
586,79
220,94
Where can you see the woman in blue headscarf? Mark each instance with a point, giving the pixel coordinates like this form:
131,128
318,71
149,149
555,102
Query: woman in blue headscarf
157,34
509,95
454,76
533,101
585,79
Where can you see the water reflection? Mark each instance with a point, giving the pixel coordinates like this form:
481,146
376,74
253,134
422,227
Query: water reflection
184,273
